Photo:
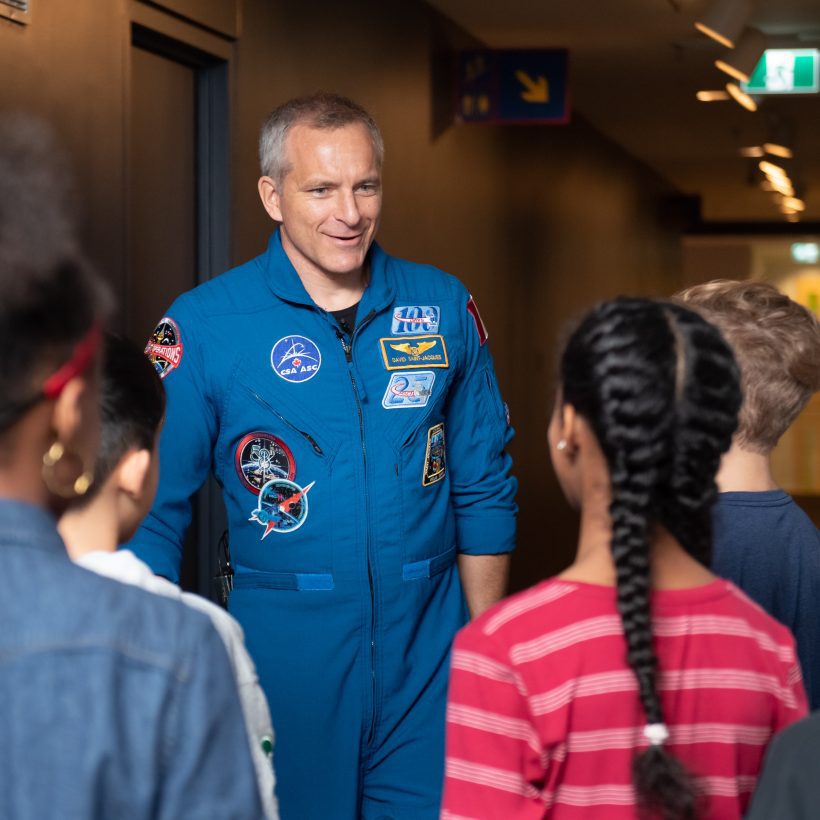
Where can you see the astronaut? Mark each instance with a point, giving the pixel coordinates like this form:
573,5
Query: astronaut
357,431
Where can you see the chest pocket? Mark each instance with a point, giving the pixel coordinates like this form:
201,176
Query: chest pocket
275,469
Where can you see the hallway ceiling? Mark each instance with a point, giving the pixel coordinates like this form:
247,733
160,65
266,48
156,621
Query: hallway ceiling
634,68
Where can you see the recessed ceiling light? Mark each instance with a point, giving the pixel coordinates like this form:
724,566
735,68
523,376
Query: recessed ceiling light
741,97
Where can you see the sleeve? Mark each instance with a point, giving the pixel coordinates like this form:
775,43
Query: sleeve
207,762
494,765
788,785
186,442
793,705
478,431
805,623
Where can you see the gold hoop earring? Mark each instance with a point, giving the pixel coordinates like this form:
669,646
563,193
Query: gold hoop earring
64,488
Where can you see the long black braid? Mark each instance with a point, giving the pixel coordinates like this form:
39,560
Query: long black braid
660,389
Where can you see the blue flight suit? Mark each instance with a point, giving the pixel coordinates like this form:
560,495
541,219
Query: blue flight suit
353,471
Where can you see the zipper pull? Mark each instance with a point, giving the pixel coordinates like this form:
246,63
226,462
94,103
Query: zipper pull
345,345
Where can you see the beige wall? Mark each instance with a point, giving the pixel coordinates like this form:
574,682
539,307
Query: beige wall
537,221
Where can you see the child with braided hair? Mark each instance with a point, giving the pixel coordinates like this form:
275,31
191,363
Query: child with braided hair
636,683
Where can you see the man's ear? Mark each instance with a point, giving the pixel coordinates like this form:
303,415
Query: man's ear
269,194
132,472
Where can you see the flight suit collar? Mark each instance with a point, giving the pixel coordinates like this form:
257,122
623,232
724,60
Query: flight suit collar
285,283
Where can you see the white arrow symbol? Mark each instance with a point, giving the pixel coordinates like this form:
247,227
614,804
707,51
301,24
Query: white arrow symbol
536,91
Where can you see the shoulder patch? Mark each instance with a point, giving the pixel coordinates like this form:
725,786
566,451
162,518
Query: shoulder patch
480,327
164,348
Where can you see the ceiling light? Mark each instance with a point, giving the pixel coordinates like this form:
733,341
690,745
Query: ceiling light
725,20
766,185
752,151
770,169
741,62
777,150
712,96
793,203
741,97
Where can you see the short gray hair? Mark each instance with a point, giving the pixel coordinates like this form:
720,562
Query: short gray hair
321,110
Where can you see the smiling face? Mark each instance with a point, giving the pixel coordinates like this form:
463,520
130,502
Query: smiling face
329,202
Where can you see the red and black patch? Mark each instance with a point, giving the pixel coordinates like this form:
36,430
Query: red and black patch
164,348
261,457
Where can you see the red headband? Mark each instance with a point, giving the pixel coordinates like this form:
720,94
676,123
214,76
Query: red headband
77,365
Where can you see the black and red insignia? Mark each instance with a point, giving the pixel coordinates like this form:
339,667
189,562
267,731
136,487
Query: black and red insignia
164,348
261,457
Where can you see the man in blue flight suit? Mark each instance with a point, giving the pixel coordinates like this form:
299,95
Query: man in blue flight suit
347,403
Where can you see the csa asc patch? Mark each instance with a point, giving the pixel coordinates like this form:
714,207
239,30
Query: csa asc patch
295,358
480,327
164,348
261,457
420,351
409,389
434,466
282,506
414,319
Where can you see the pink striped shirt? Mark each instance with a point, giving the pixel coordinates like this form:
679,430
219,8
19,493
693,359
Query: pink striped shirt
543,714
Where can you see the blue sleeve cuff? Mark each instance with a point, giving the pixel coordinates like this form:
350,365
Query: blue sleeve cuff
486,536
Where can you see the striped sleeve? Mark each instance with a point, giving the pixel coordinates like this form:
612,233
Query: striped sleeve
495,765
795,707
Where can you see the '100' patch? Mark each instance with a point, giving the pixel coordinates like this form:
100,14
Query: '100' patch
415,319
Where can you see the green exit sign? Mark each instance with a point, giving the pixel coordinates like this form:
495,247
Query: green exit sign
785,71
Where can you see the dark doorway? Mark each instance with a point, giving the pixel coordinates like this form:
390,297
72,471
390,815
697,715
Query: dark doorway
178,215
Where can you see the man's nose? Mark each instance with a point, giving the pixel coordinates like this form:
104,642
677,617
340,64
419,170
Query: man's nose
347,207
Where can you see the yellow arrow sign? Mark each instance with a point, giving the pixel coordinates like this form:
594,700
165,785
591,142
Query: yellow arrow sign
535,91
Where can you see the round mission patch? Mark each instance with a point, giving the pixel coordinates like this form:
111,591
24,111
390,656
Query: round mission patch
261,457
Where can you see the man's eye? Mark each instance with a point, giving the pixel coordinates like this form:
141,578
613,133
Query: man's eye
368,188
318,191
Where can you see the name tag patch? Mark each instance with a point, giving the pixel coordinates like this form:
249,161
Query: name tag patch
420,351
164,348
415,319
295,358
434,459
282,506
409,389
260,457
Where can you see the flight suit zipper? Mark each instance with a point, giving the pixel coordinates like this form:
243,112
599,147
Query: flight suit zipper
347,347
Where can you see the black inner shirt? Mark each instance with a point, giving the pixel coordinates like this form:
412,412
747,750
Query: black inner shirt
346,318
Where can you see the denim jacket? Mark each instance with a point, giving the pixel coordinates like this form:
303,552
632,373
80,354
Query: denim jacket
115,703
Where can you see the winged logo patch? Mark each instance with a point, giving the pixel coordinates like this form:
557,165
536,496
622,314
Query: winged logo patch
422,351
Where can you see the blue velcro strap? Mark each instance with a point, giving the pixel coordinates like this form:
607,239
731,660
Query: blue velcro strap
429,566
297,581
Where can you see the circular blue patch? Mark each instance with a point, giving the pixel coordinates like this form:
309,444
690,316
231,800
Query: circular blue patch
282,506
295,358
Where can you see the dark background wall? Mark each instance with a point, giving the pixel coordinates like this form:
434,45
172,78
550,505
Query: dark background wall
539,222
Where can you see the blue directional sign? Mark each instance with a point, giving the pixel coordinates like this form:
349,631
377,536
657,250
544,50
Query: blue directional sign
512,86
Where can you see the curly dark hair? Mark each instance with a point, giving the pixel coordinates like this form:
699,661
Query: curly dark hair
660,389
